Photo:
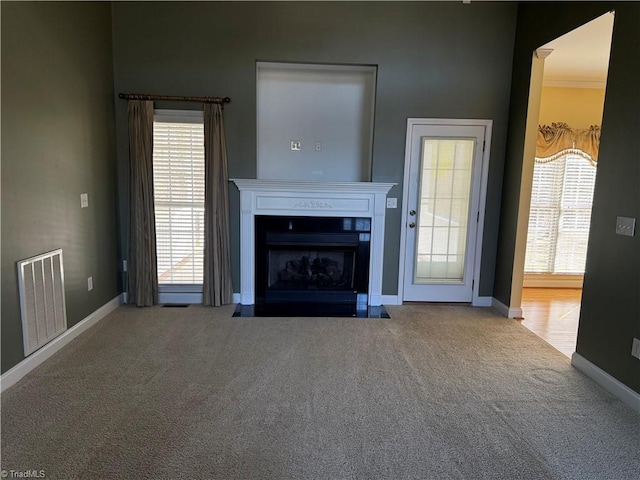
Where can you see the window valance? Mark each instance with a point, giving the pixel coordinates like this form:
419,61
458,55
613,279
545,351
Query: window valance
559,139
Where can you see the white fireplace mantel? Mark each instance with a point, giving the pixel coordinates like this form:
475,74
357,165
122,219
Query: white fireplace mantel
319,199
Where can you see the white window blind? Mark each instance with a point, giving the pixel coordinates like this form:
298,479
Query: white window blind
178,181
560,215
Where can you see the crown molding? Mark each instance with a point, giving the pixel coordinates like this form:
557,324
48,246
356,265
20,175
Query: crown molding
543,53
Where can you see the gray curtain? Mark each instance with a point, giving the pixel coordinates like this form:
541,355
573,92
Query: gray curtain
217,286
142,277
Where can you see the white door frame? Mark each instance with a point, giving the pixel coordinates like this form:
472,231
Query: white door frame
477,301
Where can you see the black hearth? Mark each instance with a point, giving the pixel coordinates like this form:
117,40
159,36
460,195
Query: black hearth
311,265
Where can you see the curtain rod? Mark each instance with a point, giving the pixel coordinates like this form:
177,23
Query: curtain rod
141,96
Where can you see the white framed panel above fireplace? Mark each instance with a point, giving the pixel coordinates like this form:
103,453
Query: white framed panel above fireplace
315,121
312,199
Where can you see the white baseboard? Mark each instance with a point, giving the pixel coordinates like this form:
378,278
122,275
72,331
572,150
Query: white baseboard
477,301
482,302
391,300
606,381
539,280
502,309
12,376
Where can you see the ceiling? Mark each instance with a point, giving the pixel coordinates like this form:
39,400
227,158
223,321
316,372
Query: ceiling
580,57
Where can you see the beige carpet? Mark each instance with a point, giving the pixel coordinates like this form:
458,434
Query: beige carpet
435,392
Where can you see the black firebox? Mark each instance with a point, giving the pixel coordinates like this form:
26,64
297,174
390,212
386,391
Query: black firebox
318,263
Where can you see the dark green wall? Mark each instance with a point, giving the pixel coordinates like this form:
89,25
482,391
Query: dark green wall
610,313
58,141
435,59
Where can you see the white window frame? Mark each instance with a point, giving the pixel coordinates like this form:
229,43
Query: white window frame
179,293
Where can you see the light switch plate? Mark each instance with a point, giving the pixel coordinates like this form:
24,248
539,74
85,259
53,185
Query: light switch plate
626,226
84,200
90,284
296,145
635,348
392,203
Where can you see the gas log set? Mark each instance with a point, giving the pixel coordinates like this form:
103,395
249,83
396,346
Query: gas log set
307,271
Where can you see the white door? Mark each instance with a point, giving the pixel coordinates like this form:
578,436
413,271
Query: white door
442,211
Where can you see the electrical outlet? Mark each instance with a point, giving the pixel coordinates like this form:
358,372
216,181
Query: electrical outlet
635,348
392,203
318,146
84,200
89,284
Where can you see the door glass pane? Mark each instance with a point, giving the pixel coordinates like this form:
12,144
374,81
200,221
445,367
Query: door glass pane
441,230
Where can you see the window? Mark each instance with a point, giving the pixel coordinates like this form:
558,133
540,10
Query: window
560,215
178,182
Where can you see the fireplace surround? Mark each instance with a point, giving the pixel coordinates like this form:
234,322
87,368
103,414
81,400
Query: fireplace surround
321,203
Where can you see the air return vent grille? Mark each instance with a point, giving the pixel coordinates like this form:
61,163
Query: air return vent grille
42,304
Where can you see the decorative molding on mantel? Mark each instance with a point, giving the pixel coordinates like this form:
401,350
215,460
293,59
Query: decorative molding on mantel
312,204
319,199
311,187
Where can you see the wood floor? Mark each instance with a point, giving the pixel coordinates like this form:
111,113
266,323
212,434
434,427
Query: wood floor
552,314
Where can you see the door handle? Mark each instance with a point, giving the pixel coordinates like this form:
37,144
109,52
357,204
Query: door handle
412,225
412,213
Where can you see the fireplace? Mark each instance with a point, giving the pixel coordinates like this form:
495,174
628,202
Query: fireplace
332,235
312,260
